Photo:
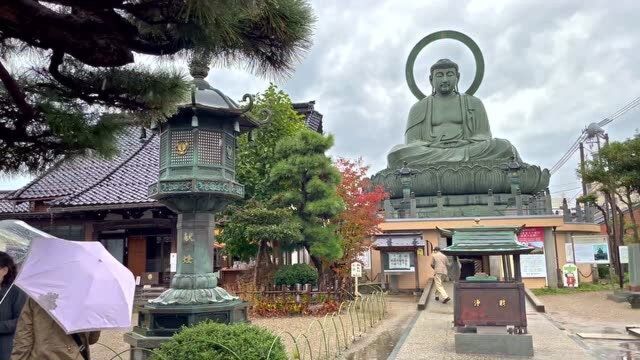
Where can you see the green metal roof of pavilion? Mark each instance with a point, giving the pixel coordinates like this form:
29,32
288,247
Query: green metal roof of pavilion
485,241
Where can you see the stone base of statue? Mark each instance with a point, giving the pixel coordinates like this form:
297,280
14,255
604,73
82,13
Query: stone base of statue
446,189
464,178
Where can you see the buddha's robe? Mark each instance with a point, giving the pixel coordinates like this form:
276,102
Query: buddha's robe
452,133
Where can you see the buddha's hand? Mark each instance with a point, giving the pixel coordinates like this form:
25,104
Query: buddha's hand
449,143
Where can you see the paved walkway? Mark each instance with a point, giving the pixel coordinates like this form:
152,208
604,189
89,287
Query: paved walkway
432,337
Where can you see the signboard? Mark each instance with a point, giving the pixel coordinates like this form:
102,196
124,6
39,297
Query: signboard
570,275
533,265
533,237
356,269
173,262
594,253
400,261
624,254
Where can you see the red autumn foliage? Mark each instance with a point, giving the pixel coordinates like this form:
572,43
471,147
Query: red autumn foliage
361,217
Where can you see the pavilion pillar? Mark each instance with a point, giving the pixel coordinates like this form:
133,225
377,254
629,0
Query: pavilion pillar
417,269
516,268
550,258
383,279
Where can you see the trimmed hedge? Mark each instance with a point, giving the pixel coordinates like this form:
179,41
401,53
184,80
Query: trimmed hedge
296,274
215,341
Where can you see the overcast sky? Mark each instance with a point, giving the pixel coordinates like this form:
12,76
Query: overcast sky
551,69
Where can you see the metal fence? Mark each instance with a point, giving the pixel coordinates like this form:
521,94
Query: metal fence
325,338
332,335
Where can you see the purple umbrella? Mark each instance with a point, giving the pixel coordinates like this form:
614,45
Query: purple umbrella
79,283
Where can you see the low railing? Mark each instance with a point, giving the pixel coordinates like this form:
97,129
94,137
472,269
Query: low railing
325,338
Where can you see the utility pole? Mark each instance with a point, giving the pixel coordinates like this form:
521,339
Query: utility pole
584,184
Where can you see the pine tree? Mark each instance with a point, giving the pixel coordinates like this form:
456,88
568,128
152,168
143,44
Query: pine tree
305,180
84,85
256,155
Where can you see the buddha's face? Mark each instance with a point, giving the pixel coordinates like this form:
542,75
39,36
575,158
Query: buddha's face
444,81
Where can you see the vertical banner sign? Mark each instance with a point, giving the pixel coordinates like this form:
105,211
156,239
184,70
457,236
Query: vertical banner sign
173,262
356,273
356,269
533,265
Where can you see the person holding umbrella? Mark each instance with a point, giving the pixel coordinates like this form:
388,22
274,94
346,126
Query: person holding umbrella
12,301
75,289
40,337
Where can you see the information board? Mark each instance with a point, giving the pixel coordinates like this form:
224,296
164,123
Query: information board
533,265
400,261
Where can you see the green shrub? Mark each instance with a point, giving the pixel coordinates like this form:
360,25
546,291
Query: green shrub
215,341
603,272
296,274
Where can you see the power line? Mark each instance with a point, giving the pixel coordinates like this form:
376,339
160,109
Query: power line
583,135
559,191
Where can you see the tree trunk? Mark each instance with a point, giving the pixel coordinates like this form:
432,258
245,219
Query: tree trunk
614,245
263,264
632,215
317,263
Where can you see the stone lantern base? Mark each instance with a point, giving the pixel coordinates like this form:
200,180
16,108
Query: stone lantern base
157,323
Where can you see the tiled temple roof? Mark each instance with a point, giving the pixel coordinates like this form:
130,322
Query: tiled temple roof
313,119
70,176
127,183
91,181
7,206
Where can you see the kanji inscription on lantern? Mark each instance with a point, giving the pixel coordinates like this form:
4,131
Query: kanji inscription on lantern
187,259
187,237
476,302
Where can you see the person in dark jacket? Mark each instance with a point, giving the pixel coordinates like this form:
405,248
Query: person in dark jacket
10,307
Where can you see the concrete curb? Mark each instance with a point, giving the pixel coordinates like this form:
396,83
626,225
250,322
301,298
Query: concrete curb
424,299
405,335
537,304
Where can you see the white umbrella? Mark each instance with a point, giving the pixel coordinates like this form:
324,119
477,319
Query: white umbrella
79,283
15,237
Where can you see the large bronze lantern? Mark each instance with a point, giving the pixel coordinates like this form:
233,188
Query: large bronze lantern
196,179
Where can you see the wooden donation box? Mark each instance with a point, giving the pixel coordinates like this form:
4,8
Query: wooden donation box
490,303
483,300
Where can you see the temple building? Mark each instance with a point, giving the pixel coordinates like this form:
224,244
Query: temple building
106,200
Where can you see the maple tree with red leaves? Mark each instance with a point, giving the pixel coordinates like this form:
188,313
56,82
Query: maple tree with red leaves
361,217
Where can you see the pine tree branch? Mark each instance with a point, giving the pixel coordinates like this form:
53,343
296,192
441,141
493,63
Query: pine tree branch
18,96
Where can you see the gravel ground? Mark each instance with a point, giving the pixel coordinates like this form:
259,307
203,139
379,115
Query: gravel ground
590,307
592,312
399,309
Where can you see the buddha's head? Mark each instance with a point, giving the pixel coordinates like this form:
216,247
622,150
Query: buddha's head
444,77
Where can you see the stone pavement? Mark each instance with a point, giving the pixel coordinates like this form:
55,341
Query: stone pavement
432,337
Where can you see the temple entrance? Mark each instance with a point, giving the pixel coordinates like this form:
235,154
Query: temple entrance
158,253
115,242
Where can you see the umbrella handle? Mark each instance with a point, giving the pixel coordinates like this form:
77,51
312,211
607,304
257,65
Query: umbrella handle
6,293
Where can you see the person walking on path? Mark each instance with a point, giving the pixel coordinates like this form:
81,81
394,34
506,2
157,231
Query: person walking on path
13,300
38,336
440,263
